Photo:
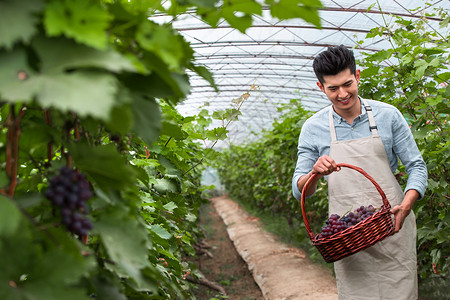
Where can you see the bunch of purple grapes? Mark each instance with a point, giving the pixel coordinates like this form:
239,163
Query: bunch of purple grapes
69,191
336,223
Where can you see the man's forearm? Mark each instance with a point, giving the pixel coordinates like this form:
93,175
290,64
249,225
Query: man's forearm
409,199
312,186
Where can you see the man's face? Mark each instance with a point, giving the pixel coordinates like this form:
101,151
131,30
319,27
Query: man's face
342,90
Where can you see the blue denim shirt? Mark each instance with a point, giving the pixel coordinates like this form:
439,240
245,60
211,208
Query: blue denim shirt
315,140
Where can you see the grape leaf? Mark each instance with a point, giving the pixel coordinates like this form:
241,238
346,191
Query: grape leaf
147,119
205,74
9,217
307,10
18,21
126,241
104,164
61,54
33,273
165,185
85,21
84,92
17,80
166,43
170,206
173,130
160,231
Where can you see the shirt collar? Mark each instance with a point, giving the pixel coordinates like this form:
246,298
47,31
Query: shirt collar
363,114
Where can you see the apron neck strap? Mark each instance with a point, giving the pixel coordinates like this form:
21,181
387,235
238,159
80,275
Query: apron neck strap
372,125
332,129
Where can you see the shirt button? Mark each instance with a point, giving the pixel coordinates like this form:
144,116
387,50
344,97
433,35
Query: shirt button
352,128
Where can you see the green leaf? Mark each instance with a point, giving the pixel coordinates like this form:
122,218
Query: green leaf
84,92
42,271
249,7
166,253
443,77
61,54
84,20
205,74
159,231
165,185
146,162
421,66
434,100
170,206
125,240
288,9
161,83
191,217
87,93
381,55
146,119
4,179
121,118
173,130
104,164
241,23
18,19
165,43
106,289
10,217
17,81
370,71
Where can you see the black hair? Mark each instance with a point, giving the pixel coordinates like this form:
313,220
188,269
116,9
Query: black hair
332,61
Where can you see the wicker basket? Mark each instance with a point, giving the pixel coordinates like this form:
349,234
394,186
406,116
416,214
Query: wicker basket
357,237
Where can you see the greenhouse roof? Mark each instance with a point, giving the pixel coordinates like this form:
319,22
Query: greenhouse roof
272,61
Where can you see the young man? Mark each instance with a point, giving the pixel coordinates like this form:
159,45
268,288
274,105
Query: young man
371,135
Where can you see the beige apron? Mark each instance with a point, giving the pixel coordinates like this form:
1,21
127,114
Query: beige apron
388,269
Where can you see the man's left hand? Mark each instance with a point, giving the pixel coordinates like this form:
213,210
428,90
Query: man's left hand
400,214
402,211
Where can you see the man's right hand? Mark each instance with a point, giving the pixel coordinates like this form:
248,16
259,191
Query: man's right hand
325,165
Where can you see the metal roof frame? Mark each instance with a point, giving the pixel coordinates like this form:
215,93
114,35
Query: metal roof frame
277,56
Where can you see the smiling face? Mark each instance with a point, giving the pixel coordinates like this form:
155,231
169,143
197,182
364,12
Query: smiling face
342,90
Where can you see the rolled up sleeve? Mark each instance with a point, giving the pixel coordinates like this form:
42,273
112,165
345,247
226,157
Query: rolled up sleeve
406,149
307,155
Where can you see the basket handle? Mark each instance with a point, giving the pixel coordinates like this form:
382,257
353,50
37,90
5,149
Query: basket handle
383,195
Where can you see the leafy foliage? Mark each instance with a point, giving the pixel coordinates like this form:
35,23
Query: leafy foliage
259,173
93,85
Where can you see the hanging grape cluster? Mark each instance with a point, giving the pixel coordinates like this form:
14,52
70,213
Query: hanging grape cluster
69,191
336,224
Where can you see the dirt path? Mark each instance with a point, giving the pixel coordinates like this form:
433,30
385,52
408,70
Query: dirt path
225,267
281,272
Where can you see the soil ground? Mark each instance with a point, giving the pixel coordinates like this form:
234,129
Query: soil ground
251,263
226,267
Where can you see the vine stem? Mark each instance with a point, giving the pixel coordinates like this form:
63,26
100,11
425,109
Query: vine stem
36,223
217,140
50,144
12,147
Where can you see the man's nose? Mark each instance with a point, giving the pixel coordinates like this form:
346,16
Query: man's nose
342,92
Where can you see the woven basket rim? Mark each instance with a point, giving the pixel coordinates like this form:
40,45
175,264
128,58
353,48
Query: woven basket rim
360,170
336,246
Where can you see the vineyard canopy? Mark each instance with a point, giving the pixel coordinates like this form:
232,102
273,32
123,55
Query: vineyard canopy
272,61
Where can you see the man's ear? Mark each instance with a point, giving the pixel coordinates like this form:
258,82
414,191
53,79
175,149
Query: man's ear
320,86
358,75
